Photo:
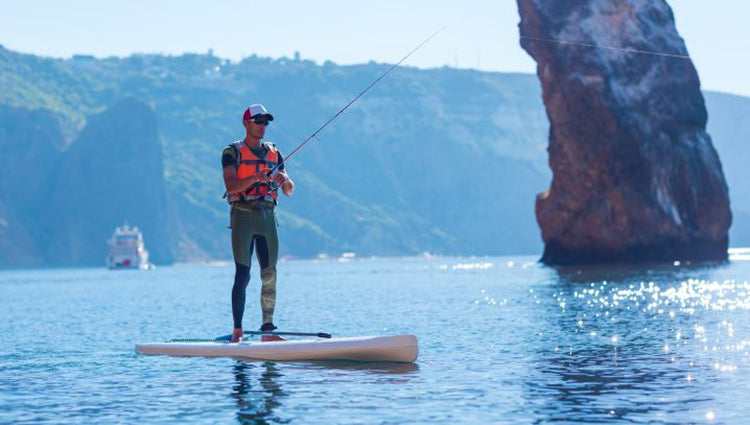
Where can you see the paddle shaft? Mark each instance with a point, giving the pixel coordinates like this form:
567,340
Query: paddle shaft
318,334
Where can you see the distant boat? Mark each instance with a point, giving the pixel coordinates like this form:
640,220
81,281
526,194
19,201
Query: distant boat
127,250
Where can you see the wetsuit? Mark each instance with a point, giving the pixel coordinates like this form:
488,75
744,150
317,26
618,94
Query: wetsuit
253,226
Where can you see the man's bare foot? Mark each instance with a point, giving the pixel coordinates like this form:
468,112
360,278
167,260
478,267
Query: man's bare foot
236,335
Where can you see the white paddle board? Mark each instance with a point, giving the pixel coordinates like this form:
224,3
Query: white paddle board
394,348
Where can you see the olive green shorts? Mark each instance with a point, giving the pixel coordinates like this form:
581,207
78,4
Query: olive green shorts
254,228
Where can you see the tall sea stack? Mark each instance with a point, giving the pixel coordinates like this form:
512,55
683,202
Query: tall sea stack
635,175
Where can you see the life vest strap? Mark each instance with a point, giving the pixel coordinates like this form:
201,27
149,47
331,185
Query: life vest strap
253,199
258,161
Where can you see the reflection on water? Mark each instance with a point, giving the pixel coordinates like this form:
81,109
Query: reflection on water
376,368
637,343
258,388
636,272
257,392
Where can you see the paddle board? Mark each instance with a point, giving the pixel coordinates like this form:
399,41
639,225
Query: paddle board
393,348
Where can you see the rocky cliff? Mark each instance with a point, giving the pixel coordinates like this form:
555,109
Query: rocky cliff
31,144
112,173
635,175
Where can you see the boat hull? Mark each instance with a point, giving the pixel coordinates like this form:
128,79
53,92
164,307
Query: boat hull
395,348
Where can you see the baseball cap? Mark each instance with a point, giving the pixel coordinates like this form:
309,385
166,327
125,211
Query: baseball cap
254,110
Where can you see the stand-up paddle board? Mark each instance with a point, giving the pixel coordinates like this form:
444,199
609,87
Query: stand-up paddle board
395,348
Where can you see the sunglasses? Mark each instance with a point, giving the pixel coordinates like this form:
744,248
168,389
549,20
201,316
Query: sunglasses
261,121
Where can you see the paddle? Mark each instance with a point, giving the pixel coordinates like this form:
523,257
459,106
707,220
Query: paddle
319,334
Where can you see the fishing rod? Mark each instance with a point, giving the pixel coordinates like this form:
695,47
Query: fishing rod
351,102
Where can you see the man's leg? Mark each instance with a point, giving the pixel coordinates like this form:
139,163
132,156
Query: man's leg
267,252
242,246
241,279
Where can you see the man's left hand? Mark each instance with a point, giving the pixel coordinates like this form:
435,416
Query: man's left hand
280,178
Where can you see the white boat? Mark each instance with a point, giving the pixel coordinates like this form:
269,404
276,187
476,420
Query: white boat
393,348
127,250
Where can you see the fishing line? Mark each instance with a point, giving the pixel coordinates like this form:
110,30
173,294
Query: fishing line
351,102
646,52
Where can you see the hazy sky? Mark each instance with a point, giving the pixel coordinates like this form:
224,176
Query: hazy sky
479,34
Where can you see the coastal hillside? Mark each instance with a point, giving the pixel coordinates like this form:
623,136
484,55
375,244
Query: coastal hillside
443,161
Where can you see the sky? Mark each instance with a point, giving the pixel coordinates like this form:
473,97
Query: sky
478,34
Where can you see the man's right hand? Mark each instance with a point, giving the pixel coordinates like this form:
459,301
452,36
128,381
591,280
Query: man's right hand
234,184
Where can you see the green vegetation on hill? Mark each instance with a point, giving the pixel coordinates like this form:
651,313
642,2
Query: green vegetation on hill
445,161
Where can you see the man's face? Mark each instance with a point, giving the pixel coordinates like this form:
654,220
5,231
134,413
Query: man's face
257,127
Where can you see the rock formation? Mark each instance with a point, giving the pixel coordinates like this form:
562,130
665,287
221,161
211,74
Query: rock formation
31,143
112,173
635,175
59,203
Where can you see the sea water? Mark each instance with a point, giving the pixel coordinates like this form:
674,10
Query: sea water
501,340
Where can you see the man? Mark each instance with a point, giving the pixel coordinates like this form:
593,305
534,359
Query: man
252,194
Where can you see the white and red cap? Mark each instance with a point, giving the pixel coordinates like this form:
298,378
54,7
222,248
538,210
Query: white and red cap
256,110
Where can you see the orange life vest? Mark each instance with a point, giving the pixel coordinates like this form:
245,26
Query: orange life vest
248,165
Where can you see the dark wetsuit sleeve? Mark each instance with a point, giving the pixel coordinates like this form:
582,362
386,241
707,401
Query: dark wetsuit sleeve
228,157
281,161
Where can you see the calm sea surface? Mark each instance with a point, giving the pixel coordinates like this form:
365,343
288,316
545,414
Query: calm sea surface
502,340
